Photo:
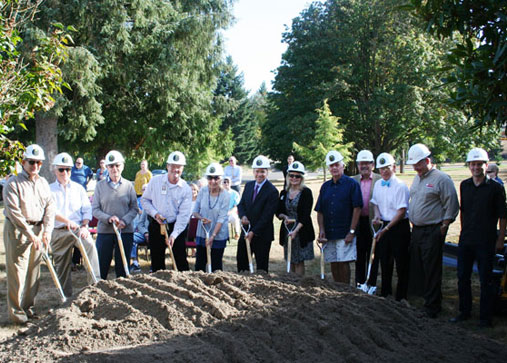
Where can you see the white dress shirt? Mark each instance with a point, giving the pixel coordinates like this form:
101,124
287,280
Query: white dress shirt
71,202
390,198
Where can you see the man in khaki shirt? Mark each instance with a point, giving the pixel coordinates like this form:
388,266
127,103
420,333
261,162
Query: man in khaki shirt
433,206
29,210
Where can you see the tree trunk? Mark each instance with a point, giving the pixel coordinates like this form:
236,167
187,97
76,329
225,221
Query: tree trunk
402,161
46,135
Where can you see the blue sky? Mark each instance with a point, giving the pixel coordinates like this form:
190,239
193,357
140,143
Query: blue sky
254,41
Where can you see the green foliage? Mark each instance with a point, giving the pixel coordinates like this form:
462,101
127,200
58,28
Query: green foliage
328,136
30,73
478,60
380,72
142,73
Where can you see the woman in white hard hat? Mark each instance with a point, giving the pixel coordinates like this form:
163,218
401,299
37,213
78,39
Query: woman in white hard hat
114,201
296,202
211,208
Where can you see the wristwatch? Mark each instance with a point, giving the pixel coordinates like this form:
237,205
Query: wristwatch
352,231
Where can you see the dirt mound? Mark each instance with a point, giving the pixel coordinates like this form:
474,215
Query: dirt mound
221,317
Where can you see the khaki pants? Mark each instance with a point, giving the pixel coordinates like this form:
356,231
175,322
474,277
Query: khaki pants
62,244
23,272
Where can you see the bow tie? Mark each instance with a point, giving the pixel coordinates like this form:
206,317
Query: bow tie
385,183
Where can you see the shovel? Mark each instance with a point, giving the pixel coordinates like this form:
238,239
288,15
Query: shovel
320,242
122,250
86,260
289,240
208,248
52,271
248,250
370,290
163,232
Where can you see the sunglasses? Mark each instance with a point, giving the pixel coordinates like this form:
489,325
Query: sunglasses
490,172
297,176
61,170
214,177
33,162
226,181
113,166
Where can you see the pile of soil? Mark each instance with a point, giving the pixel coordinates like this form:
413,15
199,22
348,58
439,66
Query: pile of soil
231,317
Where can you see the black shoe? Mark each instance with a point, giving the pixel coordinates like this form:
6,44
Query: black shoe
485,324
459,318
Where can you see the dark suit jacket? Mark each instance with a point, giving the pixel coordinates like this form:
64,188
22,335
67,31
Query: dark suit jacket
304,211
260,213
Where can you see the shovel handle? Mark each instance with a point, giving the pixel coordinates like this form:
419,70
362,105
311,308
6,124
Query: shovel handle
208,257
249,254
322,276
54,276
122,250
289,253
163,232
86,260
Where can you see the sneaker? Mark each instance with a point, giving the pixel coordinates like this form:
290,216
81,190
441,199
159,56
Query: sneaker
459,318
135,269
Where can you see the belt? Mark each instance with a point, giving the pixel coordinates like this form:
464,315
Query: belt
428,225
32,223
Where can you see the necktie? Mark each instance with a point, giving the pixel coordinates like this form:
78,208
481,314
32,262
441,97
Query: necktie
385,183
256,190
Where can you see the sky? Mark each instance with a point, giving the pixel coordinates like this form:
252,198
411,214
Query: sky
255,40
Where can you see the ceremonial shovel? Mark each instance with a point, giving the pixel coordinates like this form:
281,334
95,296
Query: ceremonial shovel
320,242
86,260
122,250
370,290
163,232
52,271
289,240
248,250
208,248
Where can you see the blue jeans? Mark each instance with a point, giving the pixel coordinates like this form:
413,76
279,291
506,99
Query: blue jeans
139,239
106,243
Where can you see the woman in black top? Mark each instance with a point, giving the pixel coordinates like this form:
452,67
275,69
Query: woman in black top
296,202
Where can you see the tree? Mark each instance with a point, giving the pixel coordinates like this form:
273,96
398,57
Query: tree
328,136
380,72
478,60
150,74
27,83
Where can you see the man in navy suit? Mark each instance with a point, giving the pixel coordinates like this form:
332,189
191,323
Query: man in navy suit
257,208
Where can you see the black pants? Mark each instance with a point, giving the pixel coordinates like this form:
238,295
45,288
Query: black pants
363,249
425,277
216,258
393,248
260,248
484,255
158,247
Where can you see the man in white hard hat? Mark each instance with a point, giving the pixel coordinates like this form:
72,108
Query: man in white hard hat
29,218
482,209
433,207
338,210
73,212
256,208
390,200
366,179
168,200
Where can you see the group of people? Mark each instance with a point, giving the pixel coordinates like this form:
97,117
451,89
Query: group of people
38,215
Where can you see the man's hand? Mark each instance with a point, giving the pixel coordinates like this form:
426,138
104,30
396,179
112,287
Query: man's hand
170,241
121,224
209,242
159,218
72,225
244,220
45,239
83,232
349,238
249,236
114,219
443,229
322,237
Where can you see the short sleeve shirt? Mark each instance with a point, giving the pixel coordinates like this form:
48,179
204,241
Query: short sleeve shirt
390,198
336,202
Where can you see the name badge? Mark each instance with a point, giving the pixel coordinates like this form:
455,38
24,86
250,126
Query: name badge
164,189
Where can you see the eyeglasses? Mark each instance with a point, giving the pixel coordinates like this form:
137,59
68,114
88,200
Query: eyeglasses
113,166
33,162
490,172
61,170
213,177
297,176
226,181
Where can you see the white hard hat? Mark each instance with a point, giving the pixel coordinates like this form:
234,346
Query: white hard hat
477,154
365,155
214,169
260,162
416,153
63,159
385,159
297,166
114,157
333,157
176,158
34,152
